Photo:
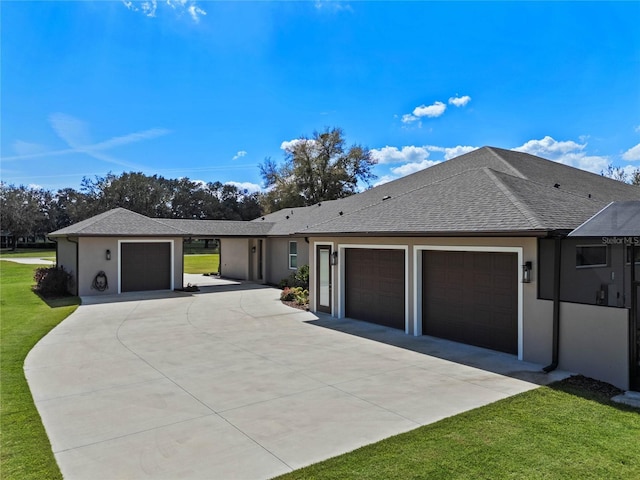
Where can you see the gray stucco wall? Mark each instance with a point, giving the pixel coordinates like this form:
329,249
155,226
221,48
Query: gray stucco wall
66,258
594,341
234,258
277,254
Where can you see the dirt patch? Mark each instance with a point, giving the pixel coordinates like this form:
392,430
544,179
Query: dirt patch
594,386
293,304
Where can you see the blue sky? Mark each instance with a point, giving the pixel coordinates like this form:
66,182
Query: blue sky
207,90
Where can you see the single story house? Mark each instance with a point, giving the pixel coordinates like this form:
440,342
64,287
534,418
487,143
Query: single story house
476,249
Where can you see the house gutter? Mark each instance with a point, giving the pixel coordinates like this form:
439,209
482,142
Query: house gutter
555,347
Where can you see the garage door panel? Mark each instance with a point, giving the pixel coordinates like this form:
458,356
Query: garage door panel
374,286
482,308
145,266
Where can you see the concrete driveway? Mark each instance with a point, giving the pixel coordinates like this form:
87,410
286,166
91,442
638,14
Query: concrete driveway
229,383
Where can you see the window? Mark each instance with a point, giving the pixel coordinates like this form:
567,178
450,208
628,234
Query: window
636,254
293,255
591,256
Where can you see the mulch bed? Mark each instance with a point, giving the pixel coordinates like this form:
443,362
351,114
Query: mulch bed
595,386
293,304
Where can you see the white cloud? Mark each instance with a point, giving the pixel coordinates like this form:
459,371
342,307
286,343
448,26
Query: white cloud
195,12
413,158
413,167
72,130
240,154
26,148
548,147
75,133
149,8
247,187
130,138
289,145
460,101
384,179
633,154
408,118
567,152
405,155
434,110
451,152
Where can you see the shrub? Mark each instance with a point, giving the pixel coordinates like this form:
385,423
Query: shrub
295,294
300,278
288,294
302,296
52,281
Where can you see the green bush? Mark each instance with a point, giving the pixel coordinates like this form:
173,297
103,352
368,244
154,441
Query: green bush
295,294
299,278
52,281
302,296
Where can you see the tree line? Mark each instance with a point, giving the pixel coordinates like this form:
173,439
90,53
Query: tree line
35,212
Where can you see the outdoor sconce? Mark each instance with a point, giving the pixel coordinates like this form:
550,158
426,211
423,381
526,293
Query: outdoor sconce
526,272
334,258
253,249
108,254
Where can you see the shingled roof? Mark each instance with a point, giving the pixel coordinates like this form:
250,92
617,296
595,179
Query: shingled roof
121,222
487,191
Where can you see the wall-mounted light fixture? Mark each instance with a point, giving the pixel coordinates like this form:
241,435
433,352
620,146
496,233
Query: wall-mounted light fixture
334,258
253,249
526,272
108,254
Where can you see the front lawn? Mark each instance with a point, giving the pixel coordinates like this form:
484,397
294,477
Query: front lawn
209,263
25,451
558,432
29,252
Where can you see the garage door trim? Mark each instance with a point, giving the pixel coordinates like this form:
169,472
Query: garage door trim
341,281
417,281
146,240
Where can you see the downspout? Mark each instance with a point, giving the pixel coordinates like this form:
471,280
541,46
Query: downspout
77,263
555,348
633,323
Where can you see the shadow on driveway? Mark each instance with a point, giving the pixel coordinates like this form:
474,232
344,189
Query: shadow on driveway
477,357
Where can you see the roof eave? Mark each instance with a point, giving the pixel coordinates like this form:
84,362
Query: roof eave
488,233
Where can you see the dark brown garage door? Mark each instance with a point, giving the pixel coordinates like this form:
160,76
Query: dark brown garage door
471,297
374,286
145,266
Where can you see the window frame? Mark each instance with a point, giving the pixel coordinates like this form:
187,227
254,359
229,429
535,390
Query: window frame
627,255
292,256
595,265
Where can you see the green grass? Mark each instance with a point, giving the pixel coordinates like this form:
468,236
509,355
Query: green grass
29,252
548,433
202,263
25,451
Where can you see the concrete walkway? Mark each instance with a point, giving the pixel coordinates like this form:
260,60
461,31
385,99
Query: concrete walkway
229,383
29,260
